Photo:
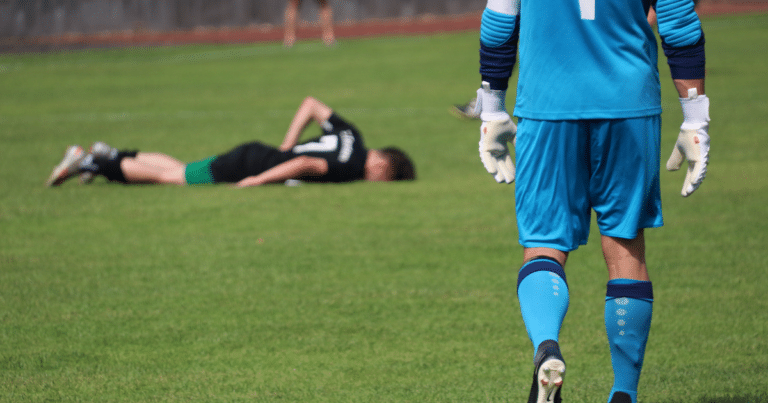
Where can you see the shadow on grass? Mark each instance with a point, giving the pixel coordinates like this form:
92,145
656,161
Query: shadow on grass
737,399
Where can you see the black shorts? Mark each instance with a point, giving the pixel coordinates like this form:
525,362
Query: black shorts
246,160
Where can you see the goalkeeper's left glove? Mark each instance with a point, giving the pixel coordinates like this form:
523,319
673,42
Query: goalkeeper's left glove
692,142
496,131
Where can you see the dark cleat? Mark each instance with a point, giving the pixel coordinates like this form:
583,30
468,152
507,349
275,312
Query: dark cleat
548,373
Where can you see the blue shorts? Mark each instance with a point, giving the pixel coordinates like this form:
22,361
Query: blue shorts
566,169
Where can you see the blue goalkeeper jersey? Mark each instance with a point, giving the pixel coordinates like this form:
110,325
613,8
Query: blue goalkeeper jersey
586,59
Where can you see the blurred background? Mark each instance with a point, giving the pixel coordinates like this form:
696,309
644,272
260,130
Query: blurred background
43,25
22,18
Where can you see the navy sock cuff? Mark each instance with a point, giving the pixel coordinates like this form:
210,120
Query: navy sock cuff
630,289
540,264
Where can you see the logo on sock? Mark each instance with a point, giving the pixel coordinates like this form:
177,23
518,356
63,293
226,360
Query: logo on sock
555,287
621,312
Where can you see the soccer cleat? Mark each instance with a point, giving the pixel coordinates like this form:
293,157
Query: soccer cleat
68,167
548,374
466,111
98,149
621,397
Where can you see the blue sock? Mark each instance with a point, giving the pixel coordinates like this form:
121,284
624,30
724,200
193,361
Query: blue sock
543,295
628,309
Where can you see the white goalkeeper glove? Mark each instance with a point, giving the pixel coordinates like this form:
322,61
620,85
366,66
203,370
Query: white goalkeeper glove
496,131
693,141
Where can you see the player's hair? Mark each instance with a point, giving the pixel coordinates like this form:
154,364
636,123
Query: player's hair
403,168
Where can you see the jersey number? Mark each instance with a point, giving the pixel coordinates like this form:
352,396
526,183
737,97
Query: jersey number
326,144
587,9
330,143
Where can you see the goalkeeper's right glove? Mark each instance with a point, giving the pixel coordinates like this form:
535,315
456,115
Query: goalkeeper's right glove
692,142
496,131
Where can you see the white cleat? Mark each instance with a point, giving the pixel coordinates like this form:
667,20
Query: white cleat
68,167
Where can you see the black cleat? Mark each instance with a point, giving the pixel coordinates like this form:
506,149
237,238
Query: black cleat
621,397
98,149
548,373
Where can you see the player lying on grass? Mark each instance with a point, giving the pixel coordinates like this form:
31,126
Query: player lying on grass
338,155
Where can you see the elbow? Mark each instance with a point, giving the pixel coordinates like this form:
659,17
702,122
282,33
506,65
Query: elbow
317,110
309,102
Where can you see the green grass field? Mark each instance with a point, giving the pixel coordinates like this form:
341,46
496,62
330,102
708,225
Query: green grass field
398,292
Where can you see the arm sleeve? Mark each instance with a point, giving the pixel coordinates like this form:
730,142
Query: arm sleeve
681,38
499,34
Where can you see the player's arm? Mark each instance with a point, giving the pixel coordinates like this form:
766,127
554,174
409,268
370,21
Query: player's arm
683,43
296,168
499,33
310,110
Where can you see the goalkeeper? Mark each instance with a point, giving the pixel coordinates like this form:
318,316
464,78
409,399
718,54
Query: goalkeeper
338,155
589,120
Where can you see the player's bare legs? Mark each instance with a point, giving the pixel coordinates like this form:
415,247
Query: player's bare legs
326,22
628,311
530,253
290,17
136,171
159,160
625,258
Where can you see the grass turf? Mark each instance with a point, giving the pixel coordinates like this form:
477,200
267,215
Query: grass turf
333,293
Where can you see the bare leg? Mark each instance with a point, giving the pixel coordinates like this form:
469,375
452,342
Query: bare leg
159,160
530,253
625,258
291,15
326,22
138,172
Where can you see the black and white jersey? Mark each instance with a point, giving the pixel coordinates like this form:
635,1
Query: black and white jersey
341,146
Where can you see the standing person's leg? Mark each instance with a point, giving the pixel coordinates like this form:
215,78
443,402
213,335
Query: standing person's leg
291,16
628,311
625,192
542,292
625,258
326,22
552,211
